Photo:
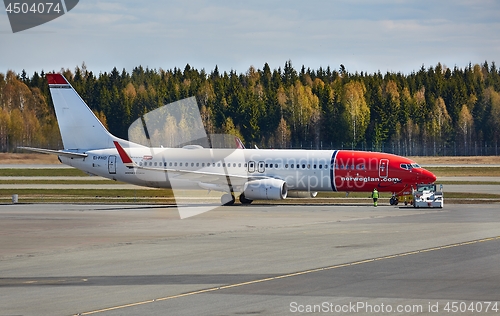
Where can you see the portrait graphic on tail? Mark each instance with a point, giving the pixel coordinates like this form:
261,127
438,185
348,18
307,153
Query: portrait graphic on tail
25,14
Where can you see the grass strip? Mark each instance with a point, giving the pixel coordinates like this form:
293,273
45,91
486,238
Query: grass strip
68,172
88,192
62,181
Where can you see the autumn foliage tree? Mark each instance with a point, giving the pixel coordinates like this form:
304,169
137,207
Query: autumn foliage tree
434,108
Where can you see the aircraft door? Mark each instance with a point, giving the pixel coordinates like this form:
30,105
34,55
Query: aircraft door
112,164
383,168
261,167
251,166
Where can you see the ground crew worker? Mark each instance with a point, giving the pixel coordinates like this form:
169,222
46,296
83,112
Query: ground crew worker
375,197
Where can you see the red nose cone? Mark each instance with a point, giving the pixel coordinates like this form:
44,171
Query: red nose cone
429,175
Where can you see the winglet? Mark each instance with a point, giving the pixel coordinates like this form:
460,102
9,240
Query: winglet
127,161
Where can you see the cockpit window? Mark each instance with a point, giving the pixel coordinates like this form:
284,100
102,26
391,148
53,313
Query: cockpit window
408,166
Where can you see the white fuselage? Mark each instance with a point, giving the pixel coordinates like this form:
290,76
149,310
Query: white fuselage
303,170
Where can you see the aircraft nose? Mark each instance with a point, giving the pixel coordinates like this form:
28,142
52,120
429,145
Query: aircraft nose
429,176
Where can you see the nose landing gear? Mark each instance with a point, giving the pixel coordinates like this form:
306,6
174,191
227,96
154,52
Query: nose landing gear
394,200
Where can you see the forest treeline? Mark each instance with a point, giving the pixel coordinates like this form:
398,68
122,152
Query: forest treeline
436,108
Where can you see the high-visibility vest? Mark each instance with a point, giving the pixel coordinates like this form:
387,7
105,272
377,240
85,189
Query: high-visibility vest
375,194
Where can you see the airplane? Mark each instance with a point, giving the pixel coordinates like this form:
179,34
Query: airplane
250,174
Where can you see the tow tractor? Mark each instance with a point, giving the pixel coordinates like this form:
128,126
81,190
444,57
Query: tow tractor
426,195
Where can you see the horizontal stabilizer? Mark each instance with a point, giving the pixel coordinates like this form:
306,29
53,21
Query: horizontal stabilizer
55,152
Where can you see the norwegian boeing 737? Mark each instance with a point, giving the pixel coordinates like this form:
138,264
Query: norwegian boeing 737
251,174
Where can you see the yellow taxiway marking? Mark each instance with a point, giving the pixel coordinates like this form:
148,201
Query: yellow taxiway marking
288,275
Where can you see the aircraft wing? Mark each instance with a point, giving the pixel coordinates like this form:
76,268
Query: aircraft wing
55,152
206,177
192,175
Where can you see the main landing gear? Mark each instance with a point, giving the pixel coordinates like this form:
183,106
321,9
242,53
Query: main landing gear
244,200
227,199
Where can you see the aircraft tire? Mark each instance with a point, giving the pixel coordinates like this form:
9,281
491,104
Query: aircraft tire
244,200
227,199
394,201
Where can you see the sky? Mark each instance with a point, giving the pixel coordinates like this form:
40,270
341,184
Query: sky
363,35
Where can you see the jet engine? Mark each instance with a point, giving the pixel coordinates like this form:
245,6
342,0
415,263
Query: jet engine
266,189
302,194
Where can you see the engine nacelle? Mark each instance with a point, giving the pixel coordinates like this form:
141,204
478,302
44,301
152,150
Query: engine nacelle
266,189
302,194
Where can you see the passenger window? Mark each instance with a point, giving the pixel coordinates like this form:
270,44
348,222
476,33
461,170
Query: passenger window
321,166
276,166
286,166
239,165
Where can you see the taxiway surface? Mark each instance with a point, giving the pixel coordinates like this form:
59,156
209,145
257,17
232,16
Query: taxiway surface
59,259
